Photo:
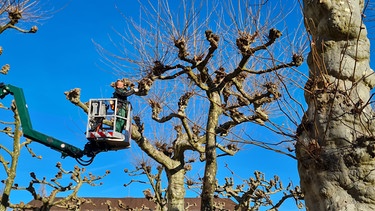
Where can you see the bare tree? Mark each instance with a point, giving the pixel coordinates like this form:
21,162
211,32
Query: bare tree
227,67
336,137
157,193
12,12
70,202
13,130
172,164
255,193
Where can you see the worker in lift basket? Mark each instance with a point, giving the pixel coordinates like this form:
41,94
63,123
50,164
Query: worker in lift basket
122,91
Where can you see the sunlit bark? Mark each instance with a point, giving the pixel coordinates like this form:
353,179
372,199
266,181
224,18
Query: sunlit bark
336,146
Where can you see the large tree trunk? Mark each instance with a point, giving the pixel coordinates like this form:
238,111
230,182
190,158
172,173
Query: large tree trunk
336,146
209,180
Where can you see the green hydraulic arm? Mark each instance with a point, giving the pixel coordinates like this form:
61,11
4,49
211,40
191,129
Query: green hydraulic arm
28,131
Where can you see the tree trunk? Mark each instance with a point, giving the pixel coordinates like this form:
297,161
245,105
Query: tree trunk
176,189
209,180
11,174
336,146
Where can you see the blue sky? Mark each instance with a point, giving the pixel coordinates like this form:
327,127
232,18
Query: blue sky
62,56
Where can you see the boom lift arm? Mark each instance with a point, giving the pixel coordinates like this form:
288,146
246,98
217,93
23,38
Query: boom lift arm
92,148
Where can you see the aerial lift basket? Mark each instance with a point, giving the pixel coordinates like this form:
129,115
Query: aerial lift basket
102,118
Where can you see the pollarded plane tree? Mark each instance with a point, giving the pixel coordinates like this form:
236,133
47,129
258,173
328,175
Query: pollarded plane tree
10,15
9,157
157,193
44,201
256,192
227,68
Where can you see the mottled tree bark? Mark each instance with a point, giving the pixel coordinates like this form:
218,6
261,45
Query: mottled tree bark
176,189
209,180
174,169
336,146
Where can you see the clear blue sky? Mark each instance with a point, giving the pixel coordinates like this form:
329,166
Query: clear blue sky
61,56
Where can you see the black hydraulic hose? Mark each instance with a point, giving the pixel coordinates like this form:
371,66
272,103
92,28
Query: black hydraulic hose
85,162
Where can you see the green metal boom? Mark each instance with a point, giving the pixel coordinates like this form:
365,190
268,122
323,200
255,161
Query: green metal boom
28,131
